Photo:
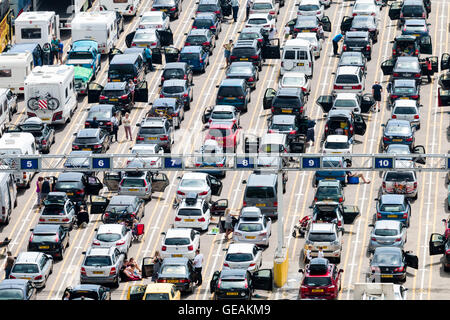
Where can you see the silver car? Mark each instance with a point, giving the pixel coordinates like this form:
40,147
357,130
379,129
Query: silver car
113,235
387,233
327,237
102,265
143,183
243,256
33,266
406,110
252,227
58,209
144,37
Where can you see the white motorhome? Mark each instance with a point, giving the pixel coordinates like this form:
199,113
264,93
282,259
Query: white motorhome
100,26
8,196
14,68
8,105
297,56
18,143
50,93
124,7
36,27
379,291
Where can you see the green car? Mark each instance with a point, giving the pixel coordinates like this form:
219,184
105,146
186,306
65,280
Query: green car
329,190
83,76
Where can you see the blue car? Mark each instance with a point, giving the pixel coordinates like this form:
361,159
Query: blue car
84,53
234,92
399,132
415,27
394,207
196,57
17,289
331,162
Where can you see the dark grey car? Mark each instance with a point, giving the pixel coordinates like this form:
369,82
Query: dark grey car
156,130
180,272
177,70
389,264
350,58
243,70
179,89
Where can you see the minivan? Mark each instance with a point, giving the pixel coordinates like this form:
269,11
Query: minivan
234,92
261,191
297,56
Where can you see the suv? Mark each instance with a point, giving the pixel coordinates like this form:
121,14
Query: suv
59,210
235,92
196,57
124,67
92,139
394,207
253,227
142,183
349,79
156,130
361,23
324,235
177,70
117,94
180,243
397,132
329,212
405,45
352,58
201,37
207,21
252,33
103,113
243,256
285,100
403,89
179,89
347,101
102,265
193,213
247,50
34,266
359,41
261,191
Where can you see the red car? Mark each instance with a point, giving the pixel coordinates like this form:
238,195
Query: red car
225,133
321,280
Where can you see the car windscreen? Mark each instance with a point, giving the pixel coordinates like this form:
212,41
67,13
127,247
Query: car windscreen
197,39
207,8
321,237
173,73
92,261
343,103
202,23
293,81
392,207
281,127
250,227
173,269
99,114
86,140
259,192
83,293
407,65
239,257
347,78
412,10
308,7
219,133
284,101
108,237
404,90
25,268
405,110
230,91
61,185
173,89
80,55
151,130
189,212
399,176
386,259
11,294
326,191
121,69
350,60
239,70
262,6
177,241
222,115
392,130
249,36
130,182
157,296
317,281
363,22
336,145
41,237
385,232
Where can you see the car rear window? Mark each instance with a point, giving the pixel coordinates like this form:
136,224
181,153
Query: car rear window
317,281
259,192
262,6
232,284
83,293
250,227
293,81
207,8
404,90
243,52
189,56
177,241
391,130
327,191
25,268
239,257
131,182
351,60
173,89
399,176
195,183
405,110
80,55
218,133
336,145
196,39
11,294
156,296
249,36
289,54
356,41
281,127
412,10
53,210
121,68
407,65
62,185
345,103
202,23
189,212
43,238
99,261
385,232
321,237
108,237
178,73
86,140
347,78
308,7
284,101
173,269
257,21
386,258
103,114
222,115
230,91
151,130
114,93
392,207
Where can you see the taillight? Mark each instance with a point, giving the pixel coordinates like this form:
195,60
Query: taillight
162,79
177,219
338,87
31,114
191,247
326,128
385,139
65,220
161,95
378,215
344,47
395,74
97,146
83,271
273,12
415,185
416,116
172,9
415,97
102,97
204,193
263,234
416,52
133,44
206,43
125,96
44,142
241,97
139,138
417,75
330,288
373,239
163,248
202,219
400,269
226,265
12,277
304,289
341,199
405,216
217,12
394,116
38,277
96,243
339,223
401,14
358,87
314,29
112,271
394,96
293,132
87,124
164,138
244,204
185,95
354,14
394,52
254,57
384,185
251,79
368,47
252,264
409,139
153,44
180,193
57,116
275,204
80,191
31,238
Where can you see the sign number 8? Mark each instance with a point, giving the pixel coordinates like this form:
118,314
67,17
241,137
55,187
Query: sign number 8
245,162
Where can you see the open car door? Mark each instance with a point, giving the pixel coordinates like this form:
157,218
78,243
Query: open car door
218,207
387,67
444,81
420,150
394,10
443,97
136,292
171,54
147,267
129,39
326,24
434,64
213,282
94,90
251,143
216,186
159,182
269,94
360,125
437,244
425,45
445,61
367,102
165,37
98,204
113,52
271,50
325,102
141,94
206,114
93,185
411,260
263,279
350,213
346,23
291,25
111,180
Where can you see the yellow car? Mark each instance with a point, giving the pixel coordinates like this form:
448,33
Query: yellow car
153,291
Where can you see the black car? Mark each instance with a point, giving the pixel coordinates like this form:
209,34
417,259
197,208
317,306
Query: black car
77,185
103,113
201,37
117,94
179,89
308,24
88,292
44,135
207,21
413,9
210,6
406,67
389,264
95,140
247,50
170,7
285,101
358,41
361,23
352,58
126,67
239,284
177,70
403,89
243,70
171,108
180,272
51,239
405,45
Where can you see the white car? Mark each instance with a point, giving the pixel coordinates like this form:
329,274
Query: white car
201,183
243,256
261,20
265,6
144,154
193,213
221,113
252,227
154,19
180,243
311,8
365,8
295,80
113,235
33,266
337,143
316,44
144,37
346,101
406,110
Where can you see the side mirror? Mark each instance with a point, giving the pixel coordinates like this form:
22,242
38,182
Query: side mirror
138,124
178,177
163,233
341,270
217,86
333,73
225,249
96,229
443,220
376,199
186,34
301,270
244,181
84,252
371,225
383,125
75,134
33,229
311,207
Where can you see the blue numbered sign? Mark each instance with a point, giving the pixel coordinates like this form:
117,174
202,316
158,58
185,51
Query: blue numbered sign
311,162
244,163
29,164
448,163
101,163
173,163
383,163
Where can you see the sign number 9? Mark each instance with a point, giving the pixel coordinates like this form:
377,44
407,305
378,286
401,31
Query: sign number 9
311,163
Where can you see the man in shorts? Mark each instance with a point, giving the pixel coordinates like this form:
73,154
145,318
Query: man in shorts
376,93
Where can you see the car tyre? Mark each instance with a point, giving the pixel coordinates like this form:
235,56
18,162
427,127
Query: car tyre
117,282
446,269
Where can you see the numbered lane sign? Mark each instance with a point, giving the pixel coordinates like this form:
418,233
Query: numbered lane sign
383,163
311,162
244,163
101,163
30,164
173,163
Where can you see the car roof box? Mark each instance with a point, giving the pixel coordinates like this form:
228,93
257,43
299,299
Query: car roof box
191,198
318,266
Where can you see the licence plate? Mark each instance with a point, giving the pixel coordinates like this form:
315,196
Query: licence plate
397,140
392,216
177,255
317,290
116,80
416,34
97,272
45,119
132,190
172,281
250,237
69,193
232,293
260,205
324,247
189,220
26,278
286,110
387,276
305,30
405,98
44,247
357,49
113,99
347,87
55,220
151,138
407,74
300,64
86,149
231,98
243,59
164,10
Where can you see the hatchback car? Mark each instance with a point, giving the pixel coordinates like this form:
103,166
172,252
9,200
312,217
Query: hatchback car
252,33
146,37
349,79
243,256
156,130
147,154
366,23
193,213
227,134
389,264
196,57
395,207
34,266
265,6
247,50
401,182
49,239
210,6
44,135
404,68
201,37
177,70
284,123
179,271
112,235
243,70
365,8
208,21
309,24
117,94
180,243
252,227
58,210
220,113
131,205
387,233
406,110
413,9
291,100
261,20
311,8
234,92
295,80
76,186
95,140
179,89
17,289
397,131
171,7
101,265
142,183
403,89
358,41
352,58
337,143
329,190
203,184
103,114
154,19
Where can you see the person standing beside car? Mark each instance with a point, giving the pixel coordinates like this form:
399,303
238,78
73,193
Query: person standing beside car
148,56
46,188
376,93
115,127
8,264
198,263
38,191
127,126
336,40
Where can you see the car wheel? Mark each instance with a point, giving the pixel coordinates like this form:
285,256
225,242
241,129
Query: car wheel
416,196
61,254
117,282
446,269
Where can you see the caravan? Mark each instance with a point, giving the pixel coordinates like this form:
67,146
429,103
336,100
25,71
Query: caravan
18,143
100,26
124,7
14,68
36,27
8,196
50,94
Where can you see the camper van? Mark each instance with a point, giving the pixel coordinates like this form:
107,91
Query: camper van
50,94
298,57
8,106
124,7
14,68
36,27
99,26
18,143
8,196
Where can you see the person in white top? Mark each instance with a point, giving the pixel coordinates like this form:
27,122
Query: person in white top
287,31
198,262
272,33
320,253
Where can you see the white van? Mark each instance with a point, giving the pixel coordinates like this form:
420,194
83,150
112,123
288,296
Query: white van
14,68
18,143
36,27
297,56
100,26
50,93
8,196
124,7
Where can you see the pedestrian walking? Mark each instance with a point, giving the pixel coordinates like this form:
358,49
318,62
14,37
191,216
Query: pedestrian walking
235,8
115,123
127,126
336,40
95,124
198,262
228,46
376,93
310,132
429,69
38,191
55,49
132,87
287,32
247,8
46,188
148,56
8,264
157,261
228,223
272,33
